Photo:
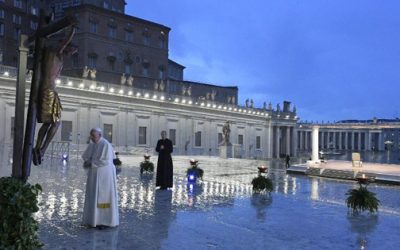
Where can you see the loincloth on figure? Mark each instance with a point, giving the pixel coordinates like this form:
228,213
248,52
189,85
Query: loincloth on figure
49,107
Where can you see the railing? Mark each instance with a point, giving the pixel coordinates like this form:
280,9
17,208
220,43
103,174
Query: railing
7,71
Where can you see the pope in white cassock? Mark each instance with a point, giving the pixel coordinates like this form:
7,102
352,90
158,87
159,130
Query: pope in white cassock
101,198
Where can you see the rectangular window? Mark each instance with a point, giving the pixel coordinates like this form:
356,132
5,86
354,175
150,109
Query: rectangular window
220,138
107,132
34,11
172,136
16,19
142,135
146,40
112,32
66,130
112,65
240,139
197,139
128,68
145,71
33,25
1,56
92,61
92,27
258,142
1,13
17,33
75,60
161,44
106,5
18,3
1,29
128,36
161,74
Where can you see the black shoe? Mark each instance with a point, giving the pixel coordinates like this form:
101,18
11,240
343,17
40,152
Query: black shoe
39,156
34,157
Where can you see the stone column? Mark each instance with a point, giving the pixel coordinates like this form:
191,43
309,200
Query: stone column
346,140
359,141
340,140
315,149
294,142
380,145
269,140
277,144
300,140
334,139
368,140
352,140
288,140
321,145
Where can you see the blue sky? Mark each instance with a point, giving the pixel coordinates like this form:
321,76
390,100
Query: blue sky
333,59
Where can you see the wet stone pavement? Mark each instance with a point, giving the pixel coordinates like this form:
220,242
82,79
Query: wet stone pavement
220,212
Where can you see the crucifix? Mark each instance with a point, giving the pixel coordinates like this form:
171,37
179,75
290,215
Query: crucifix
47,66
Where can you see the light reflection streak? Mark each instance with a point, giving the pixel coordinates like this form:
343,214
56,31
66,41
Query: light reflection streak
64,203
314,189
75,201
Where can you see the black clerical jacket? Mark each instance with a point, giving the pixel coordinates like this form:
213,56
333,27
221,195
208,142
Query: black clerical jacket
164,163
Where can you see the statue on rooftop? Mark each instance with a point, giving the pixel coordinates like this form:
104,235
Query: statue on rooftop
129,81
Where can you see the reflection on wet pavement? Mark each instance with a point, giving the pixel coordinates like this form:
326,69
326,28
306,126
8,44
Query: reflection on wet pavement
221,212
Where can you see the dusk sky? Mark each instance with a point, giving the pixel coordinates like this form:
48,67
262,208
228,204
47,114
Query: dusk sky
333,60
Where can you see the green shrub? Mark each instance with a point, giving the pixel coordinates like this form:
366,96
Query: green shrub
147,166
261,183
361,199
18,203
117,162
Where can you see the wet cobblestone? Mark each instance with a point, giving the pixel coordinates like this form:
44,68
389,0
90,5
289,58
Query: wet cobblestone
221,212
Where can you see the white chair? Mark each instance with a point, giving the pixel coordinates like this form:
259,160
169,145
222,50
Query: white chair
356,160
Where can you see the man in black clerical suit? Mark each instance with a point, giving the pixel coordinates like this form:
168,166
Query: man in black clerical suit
164,163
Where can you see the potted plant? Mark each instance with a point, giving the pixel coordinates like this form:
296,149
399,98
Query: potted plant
194,172
146,165
18,203
117,162
261,183
361,199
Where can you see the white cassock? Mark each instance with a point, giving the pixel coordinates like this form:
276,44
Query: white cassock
101,198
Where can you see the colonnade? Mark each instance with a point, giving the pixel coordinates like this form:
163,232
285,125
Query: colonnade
341,139
284,141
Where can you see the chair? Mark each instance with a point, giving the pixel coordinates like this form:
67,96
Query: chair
356,160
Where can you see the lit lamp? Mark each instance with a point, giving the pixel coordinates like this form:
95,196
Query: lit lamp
191,177
65,157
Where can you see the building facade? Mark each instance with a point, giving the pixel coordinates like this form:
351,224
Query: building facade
132,120
113,47
16,17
